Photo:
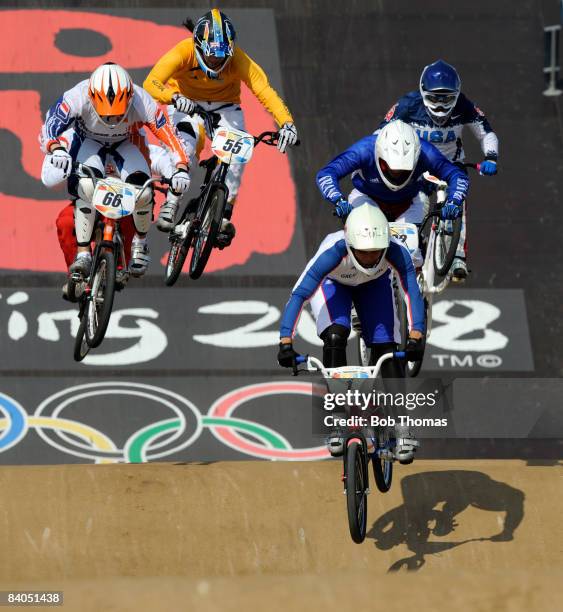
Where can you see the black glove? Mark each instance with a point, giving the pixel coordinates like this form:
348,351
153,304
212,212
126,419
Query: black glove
414,349
286,355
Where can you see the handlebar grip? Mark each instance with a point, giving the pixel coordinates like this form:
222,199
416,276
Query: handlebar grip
400,355
297,143
301,359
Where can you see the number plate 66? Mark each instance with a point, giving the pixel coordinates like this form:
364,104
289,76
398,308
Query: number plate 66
113,199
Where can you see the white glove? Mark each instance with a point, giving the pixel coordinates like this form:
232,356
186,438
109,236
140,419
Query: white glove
184,105
180,181
287,136
62,160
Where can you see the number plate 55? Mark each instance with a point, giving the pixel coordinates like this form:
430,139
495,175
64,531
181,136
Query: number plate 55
233,146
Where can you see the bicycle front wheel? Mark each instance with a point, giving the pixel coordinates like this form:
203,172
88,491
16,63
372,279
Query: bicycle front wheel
356,490
210,222
176,257
445,245
100,302
81,346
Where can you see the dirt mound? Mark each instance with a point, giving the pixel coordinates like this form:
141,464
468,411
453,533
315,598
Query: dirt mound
279,528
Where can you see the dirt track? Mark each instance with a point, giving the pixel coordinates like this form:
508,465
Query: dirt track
229,534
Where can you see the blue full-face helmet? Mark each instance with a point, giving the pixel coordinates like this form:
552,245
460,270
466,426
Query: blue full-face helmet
439,87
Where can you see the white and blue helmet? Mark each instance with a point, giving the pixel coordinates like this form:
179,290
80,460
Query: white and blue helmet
440,86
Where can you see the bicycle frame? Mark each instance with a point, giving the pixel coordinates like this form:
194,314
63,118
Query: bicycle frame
109,238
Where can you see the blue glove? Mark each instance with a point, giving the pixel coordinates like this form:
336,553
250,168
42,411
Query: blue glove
451,210
342,208
488,167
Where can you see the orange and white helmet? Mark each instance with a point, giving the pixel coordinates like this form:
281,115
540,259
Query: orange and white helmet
110,90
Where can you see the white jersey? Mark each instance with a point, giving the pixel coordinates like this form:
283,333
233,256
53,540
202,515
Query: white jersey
74,108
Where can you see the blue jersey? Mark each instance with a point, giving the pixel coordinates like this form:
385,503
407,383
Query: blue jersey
446,137
333,261
359,161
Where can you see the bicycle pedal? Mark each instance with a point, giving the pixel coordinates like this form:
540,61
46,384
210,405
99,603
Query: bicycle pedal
385,453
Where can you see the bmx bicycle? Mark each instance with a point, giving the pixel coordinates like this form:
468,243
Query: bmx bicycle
361,445
200,222
113,200
438,242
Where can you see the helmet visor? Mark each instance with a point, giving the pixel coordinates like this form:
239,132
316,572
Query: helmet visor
443,99
112,120
396,177
368,259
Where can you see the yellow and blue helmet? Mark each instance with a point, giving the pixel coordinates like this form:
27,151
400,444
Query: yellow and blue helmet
214,38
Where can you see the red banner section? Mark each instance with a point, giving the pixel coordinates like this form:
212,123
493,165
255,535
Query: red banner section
265,212
135,43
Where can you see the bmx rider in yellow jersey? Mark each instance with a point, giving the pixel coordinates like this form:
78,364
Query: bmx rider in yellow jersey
207,69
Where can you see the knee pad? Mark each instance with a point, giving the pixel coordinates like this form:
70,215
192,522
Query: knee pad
233,179
392,368
84,218
335,339
142,215
83,187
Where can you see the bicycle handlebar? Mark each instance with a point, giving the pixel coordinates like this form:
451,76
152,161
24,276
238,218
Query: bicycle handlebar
269,138
77,168
475,166
316,365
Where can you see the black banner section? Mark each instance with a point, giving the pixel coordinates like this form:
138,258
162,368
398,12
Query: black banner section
210,330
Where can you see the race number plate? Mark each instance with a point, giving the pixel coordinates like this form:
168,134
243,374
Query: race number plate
433,179
113,198
351,372
406,233
232,146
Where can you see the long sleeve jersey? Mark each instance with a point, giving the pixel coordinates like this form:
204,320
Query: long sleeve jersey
74,108
178,71
447,137
333,261
359,161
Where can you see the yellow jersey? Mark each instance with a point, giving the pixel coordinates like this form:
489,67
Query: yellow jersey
178,71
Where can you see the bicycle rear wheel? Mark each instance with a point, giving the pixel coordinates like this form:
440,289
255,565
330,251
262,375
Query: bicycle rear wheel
210,222
445,245
81,346
100,302
383,465
356,490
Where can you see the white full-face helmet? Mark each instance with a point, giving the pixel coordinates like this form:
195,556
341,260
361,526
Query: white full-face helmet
367,229
397,150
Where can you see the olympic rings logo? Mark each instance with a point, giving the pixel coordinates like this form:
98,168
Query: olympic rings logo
159,439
